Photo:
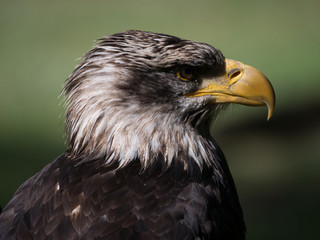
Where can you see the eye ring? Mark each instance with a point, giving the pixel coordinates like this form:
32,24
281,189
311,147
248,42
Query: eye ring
186,73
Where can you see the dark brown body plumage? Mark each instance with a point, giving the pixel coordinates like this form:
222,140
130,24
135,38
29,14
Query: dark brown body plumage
94,202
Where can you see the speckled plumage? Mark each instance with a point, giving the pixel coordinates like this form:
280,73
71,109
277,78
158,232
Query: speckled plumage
140,163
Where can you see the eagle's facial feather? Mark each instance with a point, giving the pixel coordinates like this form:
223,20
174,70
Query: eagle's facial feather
126,102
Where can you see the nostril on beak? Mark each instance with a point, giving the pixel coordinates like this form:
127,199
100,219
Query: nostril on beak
234,73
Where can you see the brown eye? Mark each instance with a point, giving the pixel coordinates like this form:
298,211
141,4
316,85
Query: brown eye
186,73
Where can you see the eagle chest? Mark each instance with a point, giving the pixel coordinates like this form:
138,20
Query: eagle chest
126,202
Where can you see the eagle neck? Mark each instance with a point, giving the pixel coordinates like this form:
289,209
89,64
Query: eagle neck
148,135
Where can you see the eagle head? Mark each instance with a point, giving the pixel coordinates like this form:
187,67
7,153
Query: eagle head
142,95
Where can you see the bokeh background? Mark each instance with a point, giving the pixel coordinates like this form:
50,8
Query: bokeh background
275,164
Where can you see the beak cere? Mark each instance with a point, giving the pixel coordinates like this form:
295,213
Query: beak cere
241,84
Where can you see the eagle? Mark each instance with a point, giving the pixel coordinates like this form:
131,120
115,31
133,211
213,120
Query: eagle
141,162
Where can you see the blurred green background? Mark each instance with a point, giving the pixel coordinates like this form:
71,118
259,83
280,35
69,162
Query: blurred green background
275,164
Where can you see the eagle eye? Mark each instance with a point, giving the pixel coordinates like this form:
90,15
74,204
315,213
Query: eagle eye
186,73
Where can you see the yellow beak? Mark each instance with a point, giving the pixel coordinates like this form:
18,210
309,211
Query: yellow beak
241,84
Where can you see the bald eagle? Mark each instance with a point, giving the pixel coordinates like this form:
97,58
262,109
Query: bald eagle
140,162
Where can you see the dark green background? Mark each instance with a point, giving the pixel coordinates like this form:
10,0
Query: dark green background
275,164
